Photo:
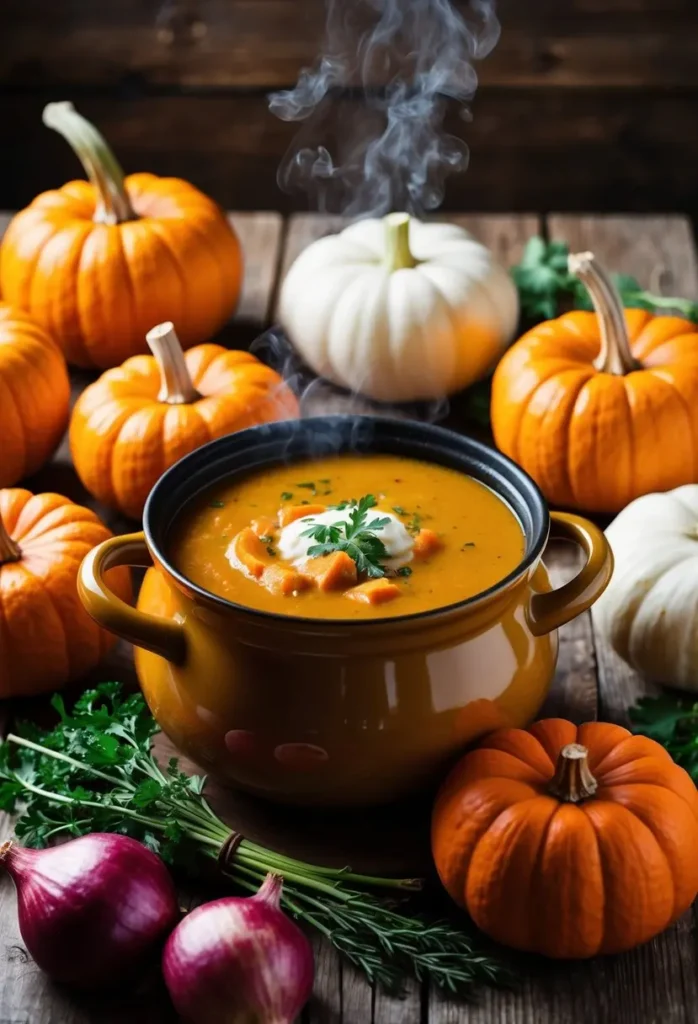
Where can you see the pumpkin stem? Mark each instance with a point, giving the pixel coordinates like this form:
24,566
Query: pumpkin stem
573,781
100,164
176,385
615,355
397,242
9,549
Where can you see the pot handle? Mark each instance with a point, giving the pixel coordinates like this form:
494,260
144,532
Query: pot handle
161,636
548,611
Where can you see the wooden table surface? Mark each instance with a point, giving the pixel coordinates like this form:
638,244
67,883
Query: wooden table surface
656,984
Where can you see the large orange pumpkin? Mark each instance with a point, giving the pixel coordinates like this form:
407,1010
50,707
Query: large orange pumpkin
601,407
136,421
34,395
568,841
46,637
99,263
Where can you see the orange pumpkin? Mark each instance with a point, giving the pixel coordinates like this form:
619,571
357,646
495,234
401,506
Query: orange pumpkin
601,408
34,395
98,263
136,421
47,638
568,841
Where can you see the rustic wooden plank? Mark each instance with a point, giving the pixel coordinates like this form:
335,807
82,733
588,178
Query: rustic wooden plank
325,1006
408,1008
529,149
357,997
265,43
260,236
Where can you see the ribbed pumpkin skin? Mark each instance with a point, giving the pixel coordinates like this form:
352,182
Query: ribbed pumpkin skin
567,880
99,288
47,638
34,395
123,439
595,441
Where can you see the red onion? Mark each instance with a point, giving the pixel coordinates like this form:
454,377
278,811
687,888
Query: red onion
91,909
239,960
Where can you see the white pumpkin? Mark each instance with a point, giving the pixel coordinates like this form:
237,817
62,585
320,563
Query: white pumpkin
649,611
399,310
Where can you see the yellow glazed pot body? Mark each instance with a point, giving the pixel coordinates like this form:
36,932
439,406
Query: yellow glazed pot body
337,712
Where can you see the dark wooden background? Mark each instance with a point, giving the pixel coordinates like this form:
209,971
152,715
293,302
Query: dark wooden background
584,104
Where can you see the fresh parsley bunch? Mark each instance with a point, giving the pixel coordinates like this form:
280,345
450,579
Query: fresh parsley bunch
357,538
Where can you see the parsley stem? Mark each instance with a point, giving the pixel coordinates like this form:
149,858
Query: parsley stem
21,742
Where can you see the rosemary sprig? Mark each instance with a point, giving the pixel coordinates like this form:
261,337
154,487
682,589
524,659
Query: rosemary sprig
94,772
357,537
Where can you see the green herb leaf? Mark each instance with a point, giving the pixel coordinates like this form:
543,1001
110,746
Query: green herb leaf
399,510
286,495
357,538
216,504
404,570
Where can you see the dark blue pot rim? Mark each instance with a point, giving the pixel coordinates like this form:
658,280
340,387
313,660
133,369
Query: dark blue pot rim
288,441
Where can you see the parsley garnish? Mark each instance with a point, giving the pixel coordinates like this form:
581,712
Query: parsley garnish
399,510
404,570
309,485
270,551
216,504
468,544
94,772
415,523
266,538
286,495
357,538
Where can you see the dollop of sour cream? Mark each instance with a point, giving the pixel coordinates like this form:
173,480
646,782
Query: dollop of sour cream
293,546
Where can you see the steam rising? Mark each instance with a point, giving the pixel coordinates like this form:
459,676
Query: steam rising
406,59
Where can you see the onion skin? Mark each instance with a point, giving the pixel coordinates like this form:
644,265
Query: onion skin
93,909
239,961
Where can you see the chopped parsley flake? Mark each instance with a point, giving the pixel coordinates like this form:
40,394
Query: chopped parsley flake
216,504
286,495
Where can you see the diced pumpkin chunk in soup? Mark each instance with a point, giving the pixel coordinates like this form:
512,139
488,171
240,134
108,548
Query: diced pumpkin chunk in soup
374,592
247,550
332,572
426,543
280,580
293,512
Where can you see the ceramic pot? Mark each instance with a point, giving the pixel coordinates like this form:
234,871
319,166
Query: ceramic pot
331,712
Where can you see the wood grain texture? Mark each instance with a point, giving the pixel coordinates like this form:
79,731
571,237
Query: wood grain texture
529,149
265,43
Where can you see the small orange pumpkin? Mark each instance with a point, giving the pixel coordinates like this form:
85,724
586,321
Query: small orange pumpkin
47,638
601,408
34,395
136,421
568,841
98,263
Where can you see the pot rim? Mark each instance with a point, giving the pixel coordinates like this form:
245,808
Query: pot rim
454,441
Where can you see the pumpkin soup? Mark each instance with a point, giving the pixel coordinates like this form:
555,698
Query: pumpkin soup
348,537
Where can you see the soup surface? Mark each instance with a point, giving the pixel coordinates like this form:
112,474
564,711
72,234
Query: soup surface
348,537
